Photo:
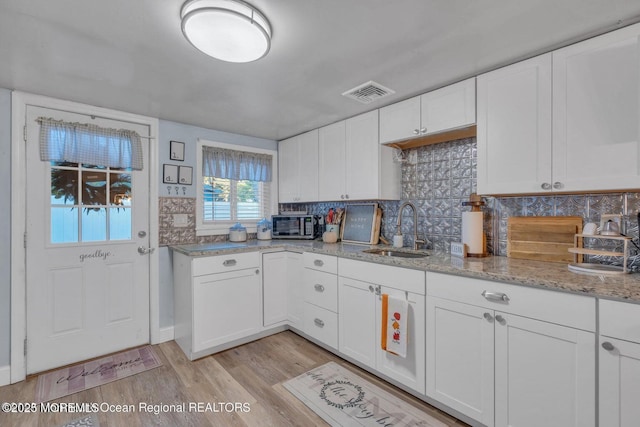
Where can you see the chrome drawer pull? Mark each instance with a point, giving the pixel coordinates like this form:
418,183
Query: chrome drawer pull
608,346
318,263
319,323
318,288
230,263
495,296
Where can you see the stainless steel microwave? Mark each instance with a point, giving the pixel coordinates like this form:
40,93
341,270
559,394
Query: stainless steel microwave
296,226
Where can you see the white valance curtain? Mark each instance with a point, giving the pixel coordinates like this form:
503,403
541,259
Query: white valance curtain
236,165
62,141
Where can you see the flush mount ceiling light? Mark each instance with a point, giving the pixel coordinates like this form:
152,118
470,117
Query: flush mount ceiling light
230,30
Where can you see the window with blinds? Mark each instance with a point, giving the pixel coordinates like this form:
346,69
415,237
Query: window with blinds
235,184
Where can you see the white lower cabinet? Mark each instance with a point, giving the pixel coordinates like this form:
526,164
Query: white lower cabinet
506,355
295,297
275,287
619,380
360,321
217,300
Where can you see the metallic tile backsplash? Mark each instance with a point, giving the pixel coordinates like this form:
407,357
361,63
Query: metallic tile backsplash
437,179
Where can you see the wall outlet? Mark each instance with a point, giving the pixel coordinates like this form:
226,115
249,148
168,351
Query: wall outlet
458,249
611,217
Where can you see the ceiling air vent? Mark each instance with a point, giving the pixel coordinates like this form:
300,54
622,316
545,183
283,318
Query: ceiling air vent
368,92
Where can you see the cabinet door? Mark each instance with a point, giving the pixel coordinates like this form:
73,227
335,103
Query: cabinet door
308,167
596,132
288,164
400,120
274,287
295,292
619,382
460,346
332,162
357,316
514,128
450,107
544,374
362,173
226,306
409,370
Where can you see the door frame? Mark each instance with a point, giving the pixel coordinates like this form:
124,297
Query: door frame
19,102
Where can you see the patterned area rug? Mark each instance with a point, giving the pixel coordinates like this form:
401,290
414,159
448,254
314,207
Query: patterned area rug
73,379
85,421
342,398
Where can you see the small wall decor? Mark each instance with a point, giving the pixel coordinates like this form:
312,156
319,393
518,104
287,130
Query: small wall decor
170,174
185,175
176,151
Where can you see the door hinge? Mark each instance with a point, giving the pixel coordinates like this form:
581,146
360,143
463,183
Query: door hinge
24,133
25,346
24,240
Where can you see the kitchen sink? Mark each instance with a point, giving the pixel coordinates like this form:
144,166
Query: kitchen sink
392,253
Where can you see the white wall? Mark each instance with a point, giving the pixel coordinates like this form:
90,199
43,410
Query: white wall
5,226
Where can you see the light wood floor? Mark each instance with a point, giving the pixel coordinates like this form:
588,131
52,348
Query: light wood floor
252,373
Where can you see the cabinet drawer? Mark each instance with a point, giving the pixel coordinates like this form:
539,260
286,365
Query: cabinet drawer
321,289
620,320
224,263
326,263
556,307
404,279
321,324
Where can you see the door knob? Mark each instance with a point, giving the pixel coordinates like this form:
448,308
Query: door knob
488,316
145,251
607,346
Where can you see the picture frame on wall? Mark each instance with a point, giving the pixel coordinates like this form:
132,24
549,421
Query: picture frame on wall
176,151
170,174
185,175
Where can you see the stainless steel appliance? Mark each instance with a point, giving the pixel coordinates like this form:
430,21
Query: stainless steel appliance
296,226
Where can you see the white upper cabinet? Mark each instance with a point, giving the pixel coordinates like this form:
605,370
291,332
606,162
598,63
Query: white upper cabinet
298,168
514,128
565,121
449,108
352,165
596,132
444,109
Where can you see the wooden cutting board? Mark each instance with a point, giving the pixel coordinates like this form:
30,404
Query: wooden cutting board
542,238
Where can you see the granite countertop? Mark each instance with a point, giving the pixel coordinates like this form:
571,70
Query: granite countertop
547,275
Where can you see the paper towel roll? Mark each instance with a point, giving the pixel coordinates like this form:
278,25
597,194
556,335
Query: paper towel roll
472,233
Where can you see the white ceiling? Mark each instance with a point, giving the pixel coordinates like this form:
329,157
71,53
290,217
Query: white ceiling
130,55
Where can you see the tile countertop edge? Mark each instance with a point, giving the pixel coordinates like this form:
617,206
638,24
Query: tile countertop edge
539,274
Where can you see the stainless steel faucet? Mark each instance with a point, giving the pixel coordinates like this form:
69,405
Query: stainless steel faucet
416,241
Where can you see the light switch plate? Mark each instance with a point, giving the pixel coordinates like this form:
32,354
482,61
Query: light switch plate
458,249
180,220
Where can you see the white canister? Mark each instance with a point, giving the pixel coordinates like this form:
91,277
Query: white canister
264,229
238,233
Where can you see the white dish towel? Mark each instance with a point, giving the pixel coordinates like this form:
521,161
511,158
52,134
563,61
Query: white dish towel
394,325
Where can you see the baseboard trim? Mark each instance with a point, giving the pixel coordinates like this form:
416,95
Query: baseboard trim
5,375
164,335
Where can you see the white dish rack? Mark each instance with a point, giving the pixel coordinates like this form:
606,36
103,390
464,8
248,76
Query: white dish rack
585,267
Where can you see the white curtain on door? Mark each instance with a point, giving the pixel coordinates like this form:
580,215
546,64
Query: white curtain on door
62,141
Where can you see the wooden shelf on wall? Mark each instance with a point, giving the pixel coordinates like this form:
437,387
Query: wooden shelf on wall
436,138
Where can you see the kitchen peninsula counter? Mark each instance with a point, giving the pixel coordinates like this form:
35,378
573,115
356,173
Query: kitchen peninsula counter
541,274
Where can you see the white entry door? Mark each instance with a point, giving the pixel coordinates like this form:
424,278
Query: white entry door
87,282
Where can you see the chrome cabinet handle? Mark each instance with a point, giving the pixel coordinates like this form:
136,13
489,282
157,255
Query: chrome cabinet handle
546,186
495,296
423,130
257,271
318,263
608,346
500,319
488,317
229,262
416,131
370,288
319,323
318,288
557,185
